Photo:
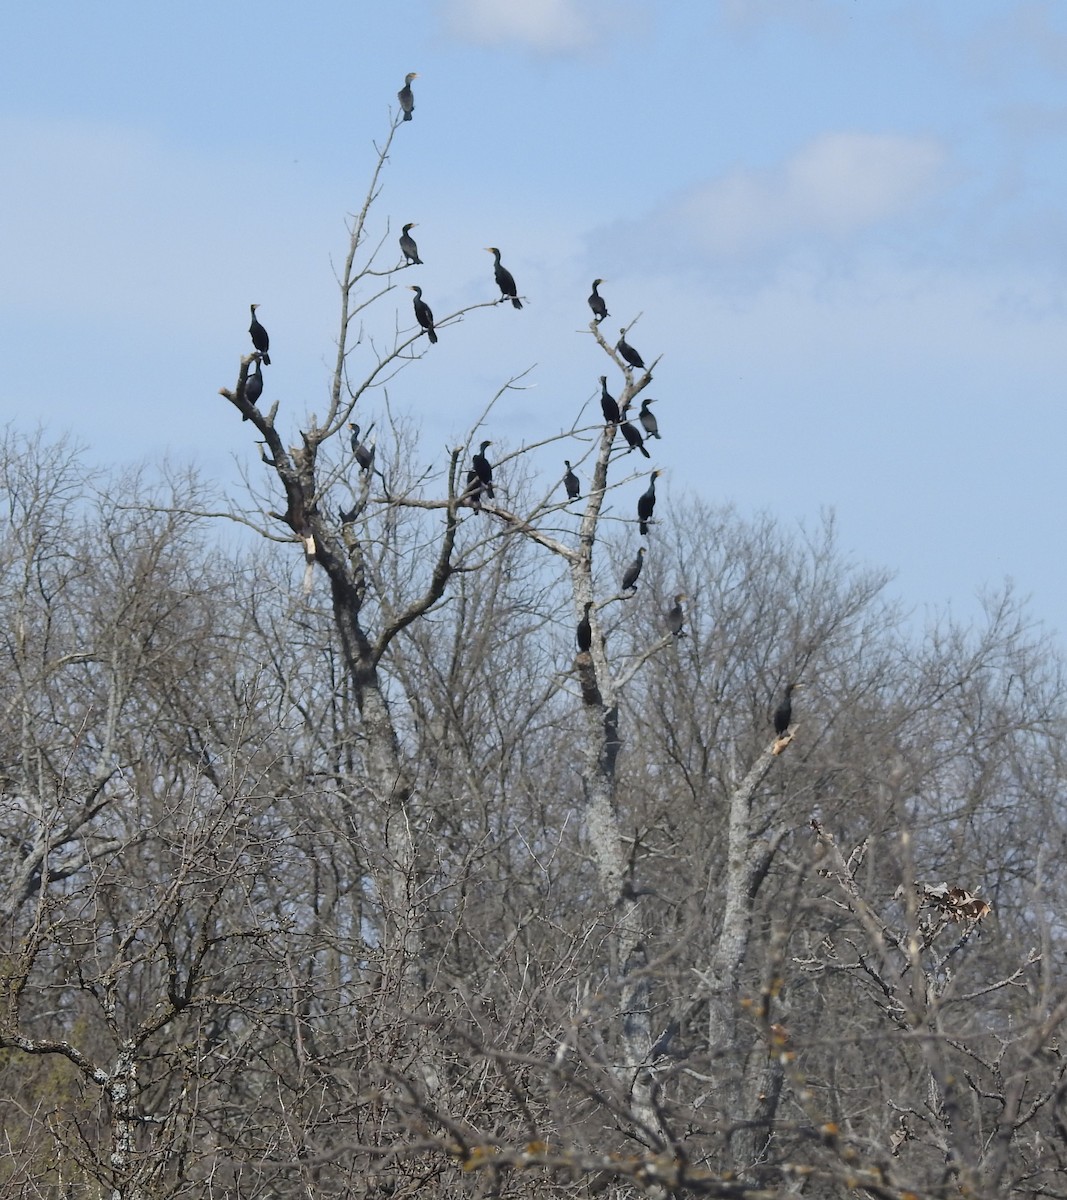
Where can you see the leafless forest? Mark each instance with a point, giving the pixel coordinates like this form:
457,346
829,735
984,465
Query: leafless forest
339,868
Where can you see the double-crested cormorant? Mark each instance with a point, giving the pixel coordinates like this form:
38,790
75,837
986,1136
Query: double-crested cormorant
504,279
629,580
783,714
254,386
260,337
422,313
633,438
628,352
584,632
570,482
407,245
676,616
648,420
646,502
405,96
608,404
473,493
483,470
364,454
596,302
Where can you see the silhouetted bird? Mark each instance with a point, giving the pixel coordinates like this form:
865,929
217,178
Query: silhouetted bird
422,313
570,482
646,502
254,386
635,440
406,97
504,279
676,616
628,352
596,302
783,714
648,420
584,633
407,245
364,454
473,493
483,470
629,580
260,337
609,406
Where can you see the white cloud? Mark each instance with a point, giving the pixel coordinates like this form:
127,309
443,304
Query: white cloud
836,185
549,26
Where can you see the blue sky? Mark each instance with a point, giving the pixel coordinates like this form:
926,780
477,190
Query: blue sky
842,222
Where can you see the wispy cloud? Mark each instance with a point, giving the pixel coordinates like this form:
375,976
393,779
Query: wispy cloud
548,26
835,187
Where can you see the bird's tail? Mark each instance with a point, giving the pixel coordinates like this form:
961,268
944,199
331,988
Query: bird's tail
266,360
407,116
644,528
644,451
432,336
516,302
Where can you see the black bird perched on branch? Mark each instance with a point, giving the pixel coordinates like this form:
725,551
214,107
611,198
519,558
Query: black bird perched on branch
473,492
633,438
596,302
406,97
504,279
648,420
783,714
584,632
570,482
260,337
646,502
364,454
628,352
407,245
254,386
422,313
609,406
629,580
483,470
676,616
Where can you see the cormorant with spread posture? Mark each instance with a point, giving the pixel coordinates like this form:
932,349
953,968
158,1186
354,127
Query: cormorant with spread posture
628,352
584,632
483,470
648,420
676,616
254,385
422,313
570,482
260,337
629,580
609,406
504,279
406,97
596,302
635,440
646,502
364,454
783,714
407,246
